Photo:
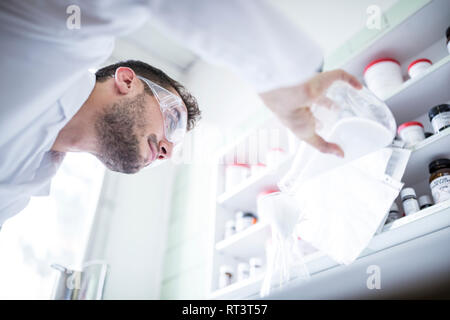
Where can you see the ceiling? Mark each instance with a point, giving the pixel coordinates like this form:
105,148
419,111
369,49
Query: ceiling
329,22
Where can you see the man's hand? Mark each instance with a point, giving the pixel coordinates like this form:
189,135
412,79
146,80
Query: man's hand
292,106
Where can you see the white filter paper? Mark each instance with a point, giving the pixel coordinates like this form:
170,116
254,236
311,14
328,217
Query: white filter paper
343,208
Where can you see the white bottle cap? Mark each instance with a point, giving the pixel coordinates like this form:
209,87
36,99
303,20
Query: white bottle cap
407,192
255,262
226,269
424,200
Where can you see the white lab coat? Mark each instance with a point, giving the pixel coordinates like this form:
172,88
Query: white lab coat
44,67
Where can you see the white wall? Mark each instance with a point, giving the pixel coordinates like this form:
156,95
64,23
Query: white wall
130,231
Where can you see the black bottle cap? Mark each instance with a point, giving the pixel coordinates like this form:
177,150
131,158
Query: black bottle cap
438,109
438,164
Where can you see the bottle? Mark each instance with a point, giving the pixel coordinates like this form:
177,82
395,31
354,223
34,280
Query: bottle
409,200
243,271
230,229
255,266
225,276
425,202
394,213
440,117
244,220
440,179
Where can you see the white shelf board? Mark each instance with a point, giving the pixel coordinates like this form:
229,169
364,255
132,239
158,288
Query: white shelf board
418,95
243,196
410,37
415,225
247,243
435,147
244,289
408,228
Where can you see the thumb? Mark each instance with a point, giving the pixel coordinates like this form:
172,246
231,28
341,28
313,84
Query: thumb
320,144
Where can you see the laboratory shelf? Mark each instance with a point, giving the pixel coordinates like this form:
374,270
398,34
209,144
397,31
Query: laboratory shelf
417,95
239,290
243,196
247,243
405,40
413,226
435,147
400,231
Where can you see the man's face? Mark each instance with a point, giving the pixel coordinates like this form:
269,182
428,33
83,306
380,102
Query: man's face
130,133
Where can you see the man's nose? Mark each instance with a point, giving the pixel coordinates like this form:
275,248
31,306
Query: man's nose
165,149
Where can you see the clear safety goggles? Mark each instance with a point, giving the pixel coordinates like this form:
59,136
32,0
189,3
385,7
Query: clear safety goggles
173,110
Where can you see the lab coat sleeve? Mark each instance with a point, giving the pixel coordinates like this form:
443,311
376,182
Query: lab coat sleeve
250,36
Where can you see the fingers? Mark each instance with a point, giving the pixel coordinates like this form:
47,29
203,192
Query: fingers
325,147
347,77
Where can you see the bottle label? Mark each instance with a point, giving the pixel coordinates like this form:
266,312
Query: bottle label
440,120
410,206
440,188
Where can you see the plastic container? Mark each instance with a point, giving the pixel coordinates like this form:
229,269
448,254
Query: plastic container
236,173
359,122
383,76
394,213
440,117
225,276
230,229
243,271
440,179
257,169
244,220
255,266
425,201
409,200
411,132
274,157
418,67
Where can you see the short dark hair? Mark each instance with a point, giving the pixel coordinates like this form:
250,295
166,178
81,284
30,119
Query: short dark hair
159,77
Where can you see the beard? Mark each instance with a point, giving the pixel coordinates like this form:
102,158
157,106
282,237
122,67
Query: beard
116,130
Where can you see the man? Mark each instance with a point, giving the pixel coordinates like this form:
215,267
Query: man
131,114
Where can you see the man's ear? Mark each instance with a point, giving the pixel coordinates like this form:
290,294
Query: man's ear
123,79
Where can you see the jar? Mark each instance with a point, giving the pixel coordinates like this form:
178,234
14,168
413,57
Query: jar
257,169
235,174
425,202
440,179
409,200
382,76
255,266
225,276
394,213
274,157
411,132
230,228
243,271
440,117
244,220
418,67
